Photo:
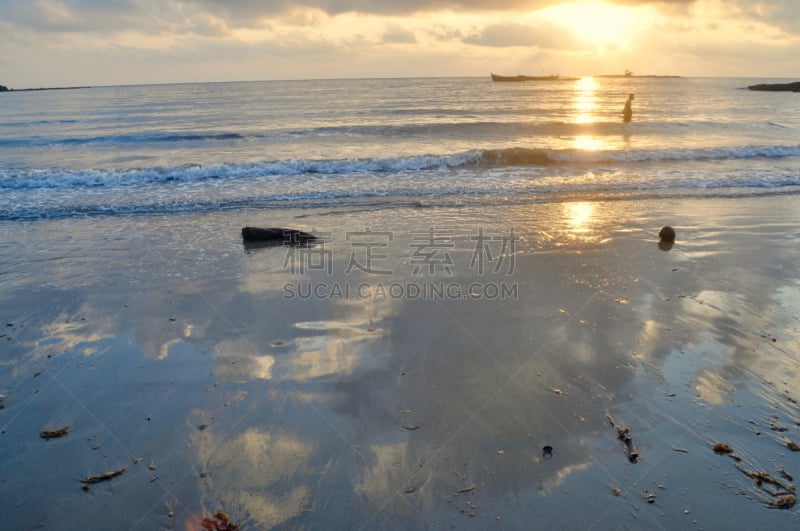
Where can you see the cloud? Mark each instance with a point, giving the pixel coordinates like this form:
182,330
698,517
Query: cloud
220,17
259,8
108,16
56,42
399,35
512,34
71,15
778,13
111,17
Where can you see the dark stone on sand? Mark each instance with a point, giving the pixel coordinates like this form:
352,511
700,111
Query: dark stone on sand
777,87
547,452
276,236
667,234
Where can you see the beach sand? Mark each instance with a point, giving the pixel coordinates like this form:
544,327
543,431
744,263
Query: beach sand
250,380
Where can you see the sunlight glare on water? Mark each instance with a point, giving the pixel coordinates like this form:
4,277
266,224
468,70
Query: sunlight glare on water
585,103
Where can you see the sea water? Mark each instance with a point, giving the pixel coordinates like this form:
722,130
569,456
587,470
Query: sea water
133,314
435,141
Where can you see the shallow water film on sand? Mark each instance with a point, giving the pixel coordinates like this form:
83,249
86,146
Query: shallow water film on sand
192,378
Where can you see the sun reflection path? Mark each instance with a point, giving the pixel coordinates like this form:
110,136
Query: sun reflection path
585,110
588,143
579,216
585,100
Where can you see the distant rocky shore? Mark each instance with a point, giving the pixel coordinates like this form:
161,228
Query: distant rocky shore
777,87
638,75
4,88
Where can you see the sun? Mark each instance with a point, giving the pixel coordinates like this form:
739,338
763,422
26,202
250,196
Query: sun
597,23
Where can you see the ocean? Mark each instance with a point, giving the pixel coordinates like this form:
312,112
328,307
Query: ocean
486,331
161,149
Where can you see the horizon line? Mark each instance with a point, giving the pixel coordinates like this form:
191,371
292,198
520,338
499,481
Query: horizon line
157,83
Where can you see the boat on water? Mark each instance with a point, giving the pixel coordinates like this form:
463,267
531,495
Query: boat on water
521,77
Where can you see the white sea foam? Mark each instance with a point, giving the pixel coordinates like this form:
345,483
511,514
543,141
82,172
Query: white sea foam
297,144
56,178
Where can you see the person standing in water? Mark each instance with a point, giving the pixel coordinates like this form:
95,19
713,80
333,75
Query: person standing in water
627,112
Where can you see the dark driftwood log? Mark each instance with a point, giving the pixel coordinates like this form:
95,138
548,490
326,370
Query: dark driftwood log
276,236
777,87
103,477
54,434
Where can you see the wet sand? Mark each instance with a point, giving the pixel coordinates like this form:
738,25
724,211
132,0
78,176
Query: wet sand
407,377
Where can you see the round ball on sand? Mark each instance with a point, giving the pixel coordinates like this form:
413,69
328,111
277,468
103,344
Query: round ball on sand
667,234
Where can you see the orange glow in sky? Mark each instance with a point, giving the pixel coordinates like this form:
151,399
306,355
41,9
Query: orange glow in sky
600,24
95,42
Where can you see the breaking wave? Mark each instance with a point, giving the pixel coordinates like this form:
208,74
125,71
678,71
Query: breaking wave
56,178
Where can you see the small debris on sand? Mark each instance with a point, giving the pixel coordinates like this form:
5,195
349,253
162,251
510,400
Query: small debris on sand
722,448
785,474
624,434
616,491
762,477
54,434
793,446
783,498
783,502
103,477
547,452
219,522
467,489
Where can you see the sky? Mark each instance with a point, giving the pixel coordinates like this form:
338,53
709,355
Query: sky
45,43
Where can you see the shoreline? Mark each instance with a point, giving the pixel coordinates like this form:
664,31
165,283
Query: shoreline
164,338
335,205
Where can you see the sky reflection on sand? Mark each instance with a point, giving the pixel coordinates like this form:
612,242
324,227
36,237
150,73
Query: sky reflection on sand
258,473
378,412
